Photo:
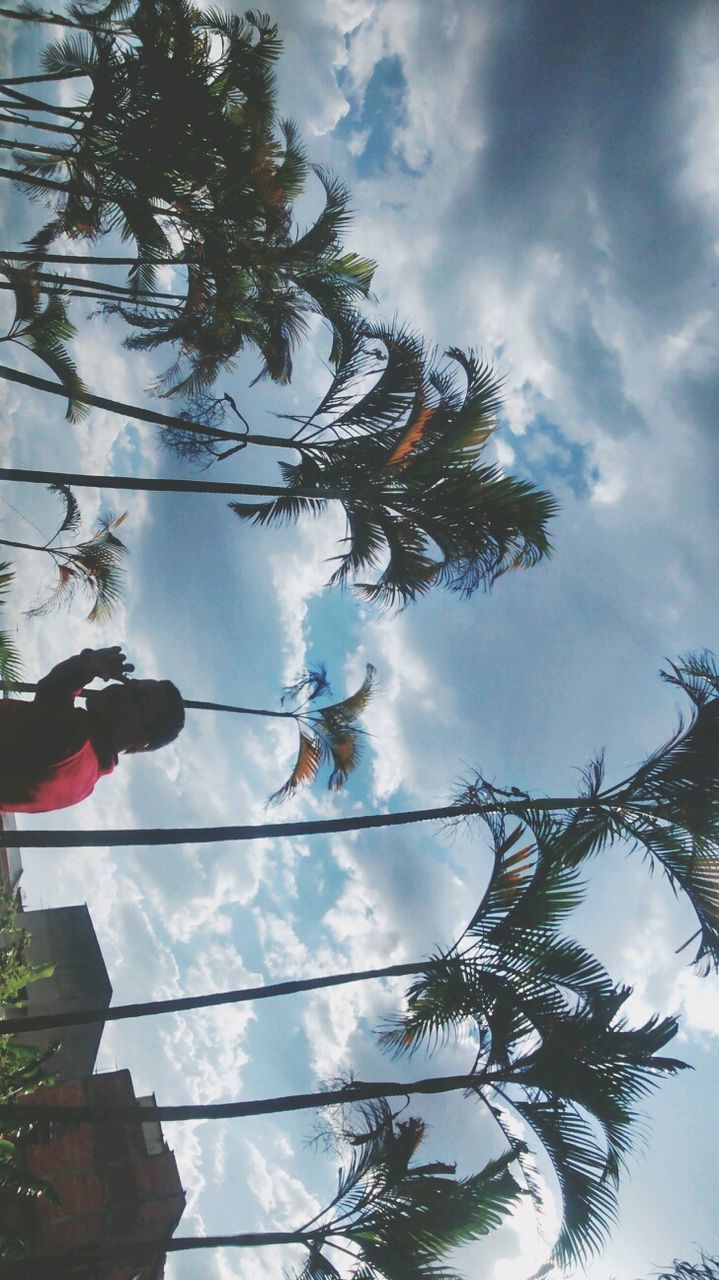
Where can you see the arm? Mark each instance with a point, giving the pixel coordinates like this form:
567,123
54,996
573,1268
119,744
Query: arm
69,677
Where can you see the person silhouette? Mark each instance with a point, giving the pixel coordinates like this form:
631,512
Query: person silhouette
52,753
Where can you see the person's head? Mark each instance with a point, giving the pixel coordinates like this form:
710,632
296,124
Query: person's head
137,715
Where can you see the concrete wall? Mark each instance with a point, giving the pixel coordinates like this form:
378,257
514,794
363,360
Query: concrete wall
65,937
10,860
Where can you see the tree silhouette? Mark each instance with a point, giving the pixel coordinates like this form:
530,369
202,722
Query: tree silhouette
404,459
389,1218
177,140
544,1017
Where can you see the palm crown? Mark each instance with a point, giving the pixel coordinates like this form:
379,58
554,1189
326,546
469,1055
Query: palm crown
403,456
177,145
399,1219
668,808
550,1044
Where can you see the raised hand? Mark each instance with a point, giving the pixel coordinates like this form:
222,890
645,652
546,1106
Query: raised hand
108,664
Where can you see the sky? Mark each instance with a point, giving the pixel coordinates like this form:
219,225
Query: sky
537,179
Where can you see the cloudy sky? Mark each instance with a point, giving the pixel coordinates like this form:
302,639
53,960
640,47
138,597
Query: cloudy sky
537,179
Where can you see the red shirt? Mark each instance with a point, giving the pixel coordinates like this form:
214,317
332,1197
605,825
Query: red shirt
48,759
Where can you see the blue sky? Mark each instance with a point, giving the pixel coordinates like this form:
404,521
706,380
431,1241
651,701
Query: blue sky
539,180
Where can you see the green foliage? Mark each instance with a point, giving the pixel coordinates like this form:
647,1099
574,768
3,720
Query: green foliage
178,139
327,735
397,1219
94,566
403,456
22,1069
668,808
550,1045
10,661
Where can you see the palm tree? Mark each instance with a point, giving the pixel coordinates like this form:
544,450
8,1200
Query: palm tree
405,460
528,894
93,566
389,1218
179,133
668,808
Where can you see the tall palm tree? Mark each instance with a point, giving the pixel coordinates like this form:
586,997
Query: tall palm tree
668,809
390,1217
93,565
404,458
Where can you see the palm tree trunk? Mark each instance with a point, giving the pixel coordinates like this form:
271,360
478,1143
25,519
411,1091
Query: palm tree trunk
148,1009
41,79
24,546
90,259
32,124
30,180
63,1266
107,293
161,485
52,19
142,415
132,836
190,703
357,1091
13,144
104,286
37,104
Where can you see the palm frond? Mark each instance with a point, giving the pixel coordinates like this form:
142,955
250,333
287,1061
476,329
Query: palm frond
279,510
71,54
706,1269
696,674
309,759
71,517
10,661
669,809
589,1200
309,685
63,593
317,1266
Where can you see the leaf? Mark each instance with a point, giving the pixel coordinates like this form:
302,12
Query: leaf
308,761
71,518
589,1201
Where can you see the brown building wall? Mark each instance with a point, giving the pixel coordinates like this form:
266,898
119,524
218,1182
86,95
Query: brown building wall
111,1189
